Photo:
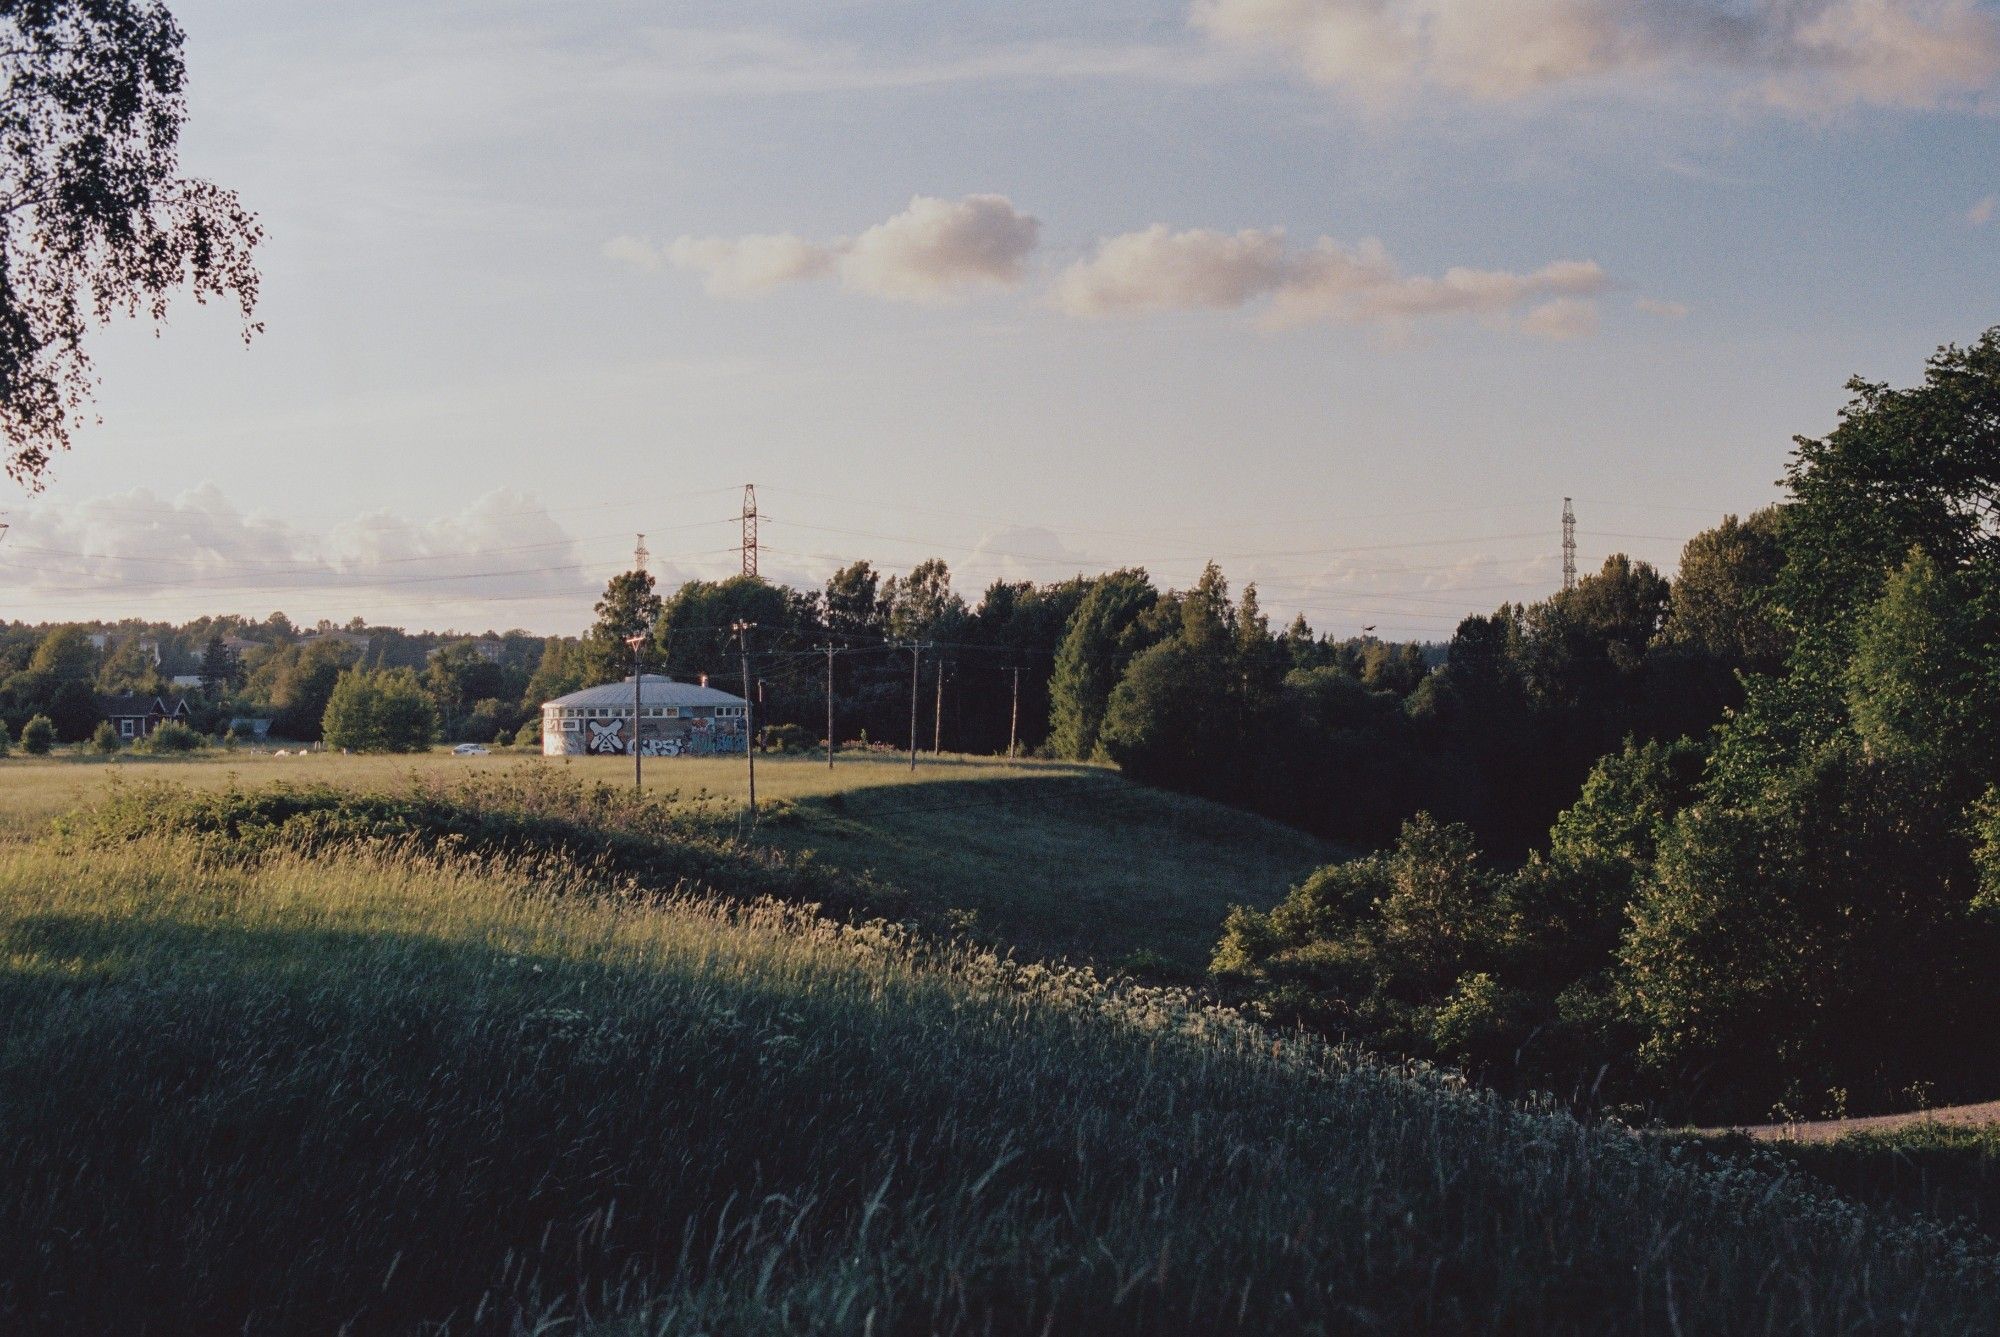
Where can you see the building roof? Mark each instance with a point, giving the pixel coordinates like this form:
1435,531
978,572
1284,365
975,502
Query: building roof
655,689
132,705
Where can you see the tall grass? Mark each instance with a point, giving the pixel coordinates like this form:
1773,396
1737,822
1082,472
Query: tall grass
388,1091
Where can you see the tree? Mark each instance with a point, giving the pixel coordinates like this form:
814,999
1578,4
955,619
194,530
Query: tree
38,736
1913,683
921,605
380,710
851,603
74,710
220,668
67,655
105,739
1720,604
99,220
6,739
629,608
1091,658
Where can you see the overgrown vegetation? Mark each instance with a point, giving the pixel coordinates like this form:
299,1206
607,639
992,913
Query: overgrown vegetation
385,1089
1796,910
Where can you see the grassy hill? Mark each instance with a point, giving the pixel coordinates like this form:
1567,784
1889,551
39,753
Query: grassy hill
1051,858
379,1086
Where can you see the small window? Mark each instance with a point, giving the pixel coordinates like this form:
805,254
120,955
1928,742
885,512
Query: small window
125,728
571,726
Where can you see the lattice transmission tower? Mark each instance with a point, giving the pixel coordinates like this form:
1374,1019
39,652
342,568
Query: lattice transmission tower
1569,545
639,555
749,529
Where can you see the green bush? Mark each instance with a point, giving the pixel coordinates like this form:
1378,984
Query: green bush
529,734
384,710
170,738
106,739
38,736
6,739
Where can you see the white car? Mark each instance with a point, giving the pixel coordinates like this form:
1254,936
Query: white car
469,750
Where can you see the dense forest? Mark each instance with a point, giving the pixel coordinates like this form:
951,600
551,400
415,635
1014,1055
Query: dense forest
1729,840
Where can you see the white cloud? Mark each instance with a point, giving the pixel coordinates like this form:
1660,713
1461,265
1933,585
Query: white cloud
1157,270
1563,319
502,560
937,246
1653,306
1982,213
933,250
744,266
1801,55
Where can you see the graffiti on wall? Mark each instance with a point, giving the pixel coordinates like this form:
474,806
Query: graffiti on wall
704,738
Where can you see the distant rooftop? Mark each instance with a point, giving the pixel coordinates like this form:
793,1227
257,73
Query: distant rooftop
655,689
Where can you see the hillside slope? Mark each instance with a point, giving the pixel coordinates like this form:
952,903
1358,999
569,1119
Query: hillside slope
374,1091
1051,858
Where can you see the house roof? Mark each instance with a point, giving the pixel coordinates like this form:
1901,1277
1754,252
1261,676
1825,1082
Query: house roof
655,689
131,704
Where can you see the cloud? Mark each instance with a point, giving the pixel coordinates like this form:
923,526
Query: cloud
501,560
1157,270
936,246
931,251
1799,55
1652,306
744,266
1982,213
1563,319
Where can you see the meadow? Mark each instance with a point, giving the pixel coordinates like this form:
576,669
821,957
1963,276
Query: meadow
1051,858
381,1090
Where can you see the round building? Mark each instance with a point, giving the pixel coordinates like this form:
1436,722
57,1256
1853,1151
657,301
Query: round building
676,719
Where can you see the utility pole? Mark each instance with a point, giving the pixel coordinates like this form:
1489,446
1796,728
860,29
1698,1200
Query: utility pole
637,643
749,529
1014,721
937,720
1569,546
743,630
916,660
829,705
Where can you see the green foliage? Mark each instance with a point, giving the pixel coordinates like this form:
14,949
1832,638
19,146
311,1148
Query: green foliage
6,739
1103,630
630,607
1914,681
66,654
169,739
106,739
38,736
100,220
384,710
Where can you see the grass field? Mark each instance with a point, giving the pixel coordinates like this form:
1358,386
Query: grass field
1050,858
379,1092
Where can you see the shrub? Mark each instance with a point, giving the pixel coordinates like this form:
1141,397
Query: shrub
6,739
38,736
529,734
169,738
106,739
784,738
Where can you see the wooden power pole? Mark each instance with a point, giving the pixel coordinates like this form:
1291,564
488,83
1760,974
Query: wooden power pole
743,630
829,705
1014,720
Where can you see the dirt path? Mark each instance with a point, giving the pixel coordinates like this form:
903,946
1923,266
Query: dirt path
1828,1130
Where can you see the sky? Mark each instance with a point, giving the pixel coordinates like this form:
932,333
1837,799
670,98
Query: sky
1345,295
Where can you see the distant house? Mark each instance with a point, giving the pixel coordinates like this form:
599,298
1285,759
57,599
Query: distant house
676,719
135,716
186,680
